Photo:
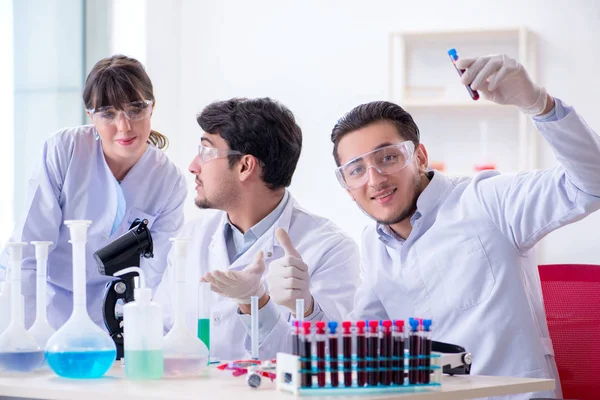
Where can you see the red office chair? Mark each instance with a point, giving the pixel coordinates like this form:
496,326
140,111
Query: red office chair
572,301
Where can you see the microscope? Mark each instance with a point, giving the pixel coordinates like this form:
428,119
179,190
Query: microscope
123,252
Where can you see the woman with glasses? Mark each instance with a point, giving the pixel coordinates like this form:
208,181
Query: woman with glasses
110,172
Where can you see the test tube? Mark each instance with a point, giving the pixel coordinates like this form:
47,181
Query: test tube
398,352
320,339
372,353
254,326
333,354
306,355
295,338
300,309
204,313
454,57
414,351
385,353
426,351
361,352
347,352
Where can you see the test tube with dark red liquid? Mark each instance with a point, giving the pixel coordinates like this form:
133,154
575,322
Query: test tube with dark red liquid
347,352
398,352
306,355
372,353
320,339
385,353
295,338
361,353
333,353
426,351
414,342
454,58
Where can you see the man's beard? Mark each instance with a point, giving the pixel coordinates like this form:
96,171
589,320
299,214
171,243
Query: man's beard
407,211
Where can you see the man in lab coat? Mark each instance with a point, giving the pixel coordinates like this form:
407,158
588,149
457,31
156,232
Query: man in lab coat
252,228
459,250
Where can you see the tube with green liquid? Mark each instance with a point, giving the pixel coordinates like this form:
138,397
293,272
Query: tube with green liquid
204,314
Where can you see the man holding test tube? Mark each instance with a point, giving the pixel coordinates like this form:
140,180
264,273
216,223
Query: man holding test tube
460,250
253,238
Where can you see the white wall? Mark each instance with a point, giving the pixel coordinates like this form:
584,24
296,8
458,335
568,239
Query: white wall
323,58
6,121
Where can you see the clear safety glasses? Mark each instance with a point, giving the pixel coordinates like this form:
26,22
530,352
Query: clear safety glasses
386,160
133,112
205,154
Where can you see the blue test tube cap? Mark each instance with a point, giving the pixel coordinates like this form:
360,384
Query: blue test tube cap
427,324
332,326
414,324
453,54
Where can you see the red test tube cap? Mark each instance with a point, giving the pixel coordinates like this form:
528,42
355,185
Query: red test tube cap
360,325
306,327
346,325
373,325
320,326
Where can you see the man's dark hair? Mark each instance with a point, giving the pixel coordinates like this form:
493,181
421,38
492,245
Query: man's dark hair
261,127
369,113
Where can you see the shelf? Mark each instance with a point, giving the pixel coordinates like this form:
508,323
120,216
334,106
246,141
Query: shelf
481,103
470,33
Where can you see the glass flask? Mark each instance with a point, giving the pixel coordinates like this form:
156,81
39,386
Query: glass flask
184,354
19,352
80,349
41,329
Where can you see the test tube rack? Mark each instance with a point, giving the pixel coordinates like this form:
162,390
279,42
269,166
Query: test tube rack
289,377
370,368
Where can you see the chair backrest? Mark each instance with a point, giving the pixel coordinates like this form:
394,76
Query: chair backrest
572,301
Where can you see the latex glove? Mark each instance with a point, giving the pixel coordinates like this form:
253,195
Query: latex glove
239,285
503,80
288,278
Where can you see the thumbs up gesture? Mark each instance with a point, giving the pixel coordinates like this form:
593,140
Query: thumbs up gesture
288,278
239,285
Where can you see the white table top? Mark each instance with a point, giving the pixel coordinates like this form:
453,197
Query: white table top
222,385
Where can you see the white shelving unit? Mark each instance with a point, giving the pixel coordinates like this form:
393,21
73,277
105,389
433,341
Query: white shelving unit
457,130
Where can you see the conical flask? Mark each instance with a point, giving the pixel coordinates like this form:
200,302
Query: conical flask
19,352
80,349
41,329
184,353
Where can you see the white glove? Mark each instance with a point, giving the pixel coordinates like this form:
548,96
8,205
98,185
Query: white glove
239,285
504,81
287,277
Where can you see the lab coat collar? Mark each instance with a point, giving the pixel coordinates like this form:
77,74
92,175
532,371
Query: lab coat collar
433,195
266,242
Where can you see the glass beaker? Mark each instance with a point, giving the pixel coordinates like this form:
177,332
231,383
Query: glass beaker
19,352
184,353
80,349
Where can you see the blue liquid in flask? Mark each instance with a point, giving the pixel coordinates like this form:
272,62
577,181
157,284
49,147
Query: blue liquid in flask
24,361
81,364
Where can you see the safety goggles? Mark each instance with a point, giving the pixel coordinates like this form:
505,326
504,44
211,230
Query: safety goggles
205,154
135,111
385,160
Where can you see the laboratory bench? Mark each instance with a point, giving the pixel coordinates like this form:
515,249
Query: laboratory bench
222,385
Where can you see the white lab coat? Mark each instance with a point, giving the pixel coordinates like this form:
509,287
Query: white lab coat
468,262
332,257
73,181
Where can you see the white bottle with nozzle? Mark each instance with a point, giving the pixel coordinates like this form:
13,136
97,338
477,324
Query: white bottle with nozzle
142,332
